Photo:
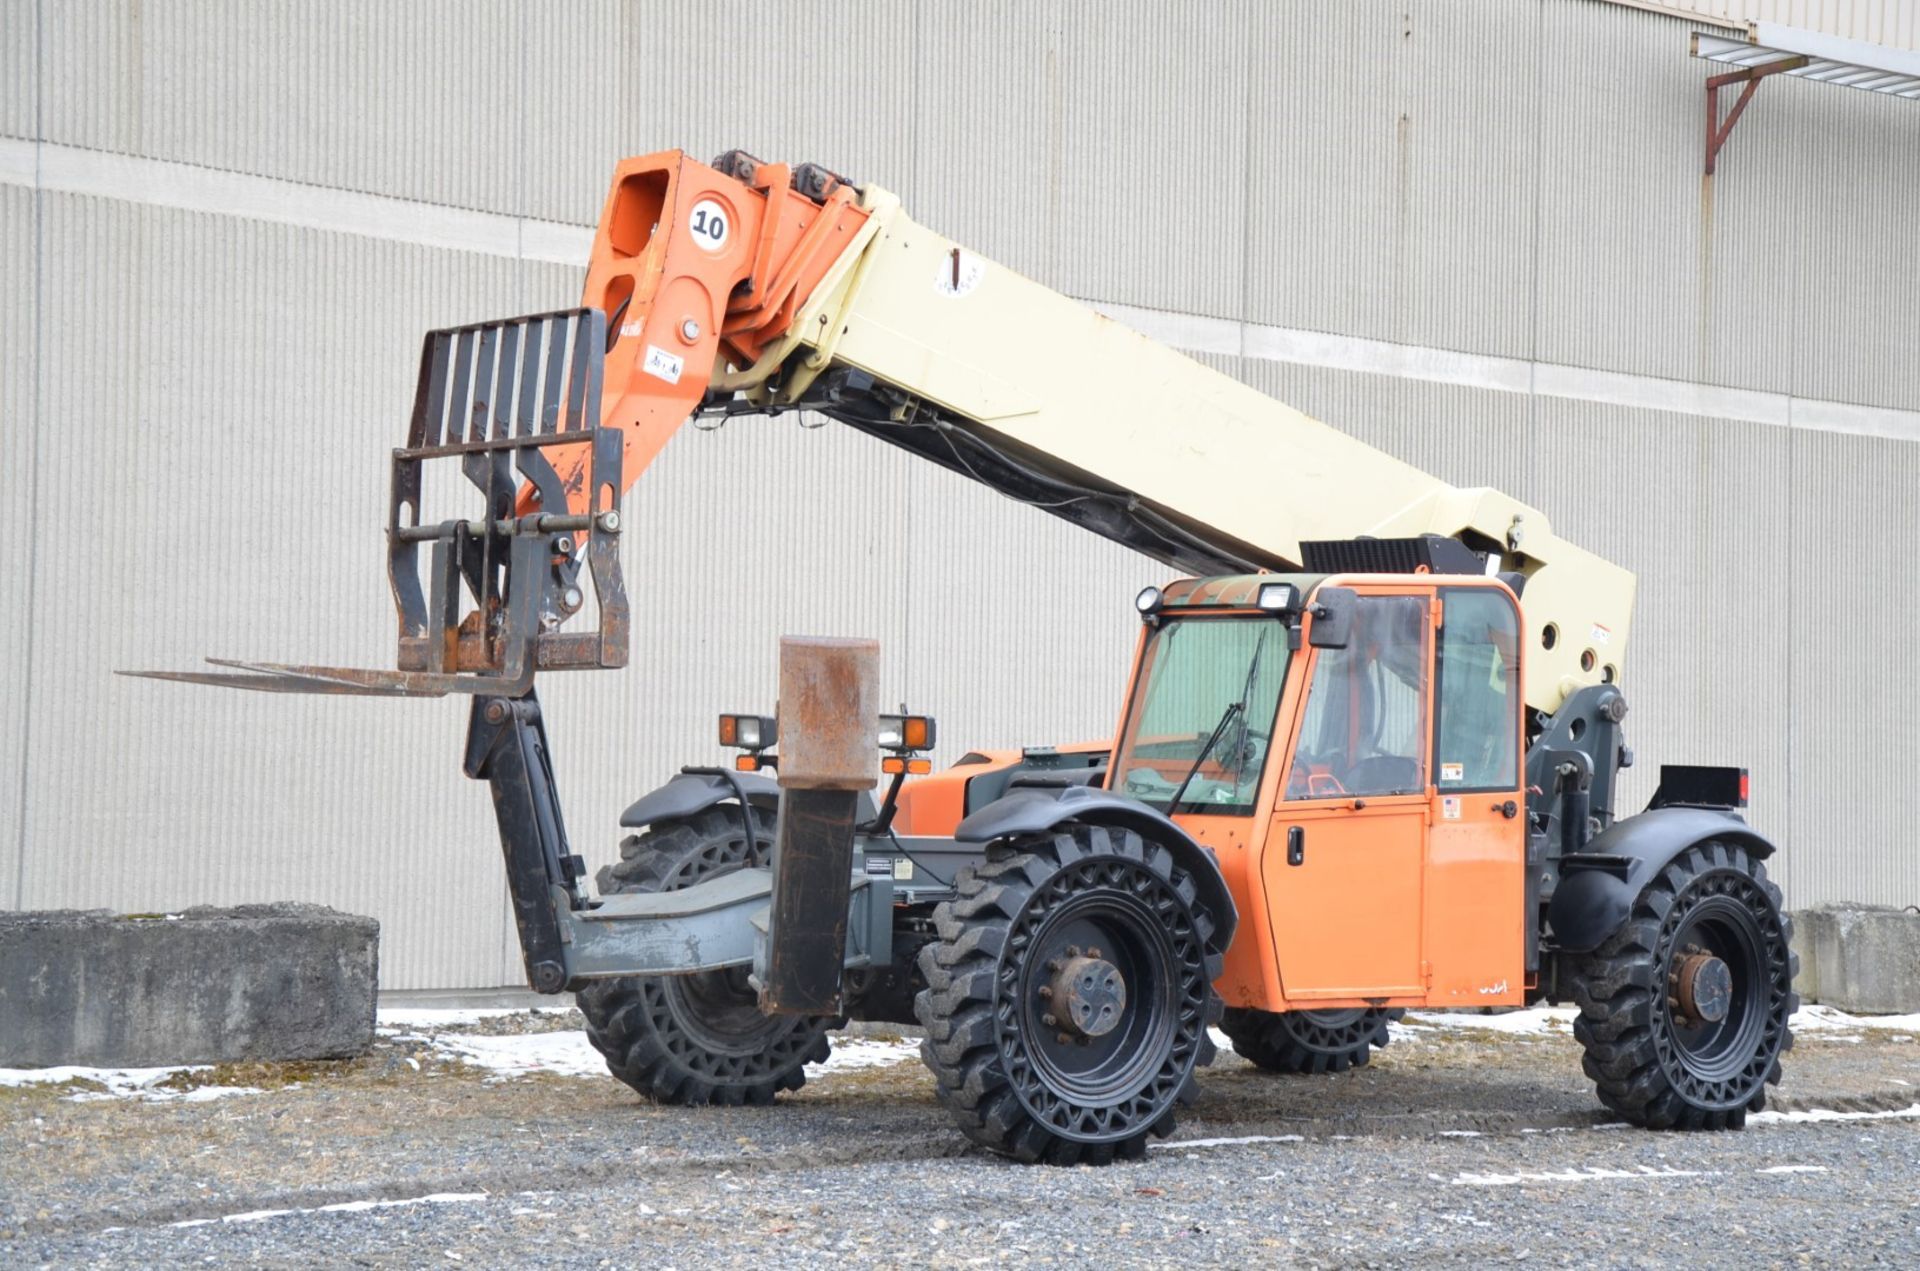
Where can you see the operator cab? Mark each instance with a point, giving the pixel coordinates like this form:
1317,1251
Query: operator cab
1349,745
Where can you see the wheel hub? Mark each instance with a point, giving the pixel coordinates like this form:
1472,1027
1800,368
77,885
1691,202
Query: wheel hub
1700,987
1087,994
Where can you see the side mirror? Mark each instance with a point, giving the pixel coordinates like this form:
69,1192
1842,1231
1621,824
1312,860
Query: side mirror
1330,615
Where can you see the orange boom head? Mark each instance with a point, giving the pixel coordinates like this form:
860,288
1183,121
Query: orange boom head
695,265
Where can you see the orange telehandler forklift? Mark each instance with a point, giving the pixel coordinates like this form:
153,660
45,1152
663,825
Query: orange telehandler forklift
1351,775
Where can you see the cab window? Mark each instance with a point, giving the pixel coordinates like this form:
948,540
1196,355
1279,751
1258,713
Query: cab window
1477,731
1365,725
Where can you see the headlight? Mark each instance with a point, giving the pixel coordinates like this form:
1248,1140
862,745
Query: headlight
1148,602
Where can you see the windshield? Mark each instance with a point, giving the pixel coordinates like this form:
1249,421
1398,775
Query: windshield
1202,714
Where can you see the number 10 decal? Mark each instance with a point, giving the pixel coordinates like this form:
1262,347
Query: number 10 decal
709,224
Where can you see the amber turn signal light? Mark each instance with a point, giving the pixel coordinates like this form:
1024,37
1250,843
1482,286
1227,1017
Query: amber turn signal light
894,765
906,733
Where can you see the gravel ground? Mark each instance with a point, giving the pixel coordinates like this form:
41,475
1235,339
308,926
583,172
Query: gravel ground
1456,1145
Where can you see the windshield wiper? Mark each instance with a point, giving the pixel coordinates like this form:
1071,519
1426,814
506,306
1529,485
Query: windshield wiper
1238,708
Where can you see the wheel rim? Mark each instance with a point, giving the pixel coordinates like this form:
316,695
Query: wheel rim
1723,952
1101,1088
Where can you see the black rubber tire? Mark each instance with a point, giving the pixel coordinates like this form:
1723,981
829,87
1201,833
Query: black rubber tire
1308,1041
696,1039
1649,1067
1007,1081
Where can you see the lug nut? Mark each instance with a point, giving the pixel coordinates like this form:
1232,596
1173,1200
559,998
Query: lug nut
1049,1021
1063,1039
1093,953
1046,990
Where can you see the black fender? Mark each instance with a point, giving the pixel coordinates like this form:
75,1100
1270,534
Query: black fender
1039,811
688,795
1599,885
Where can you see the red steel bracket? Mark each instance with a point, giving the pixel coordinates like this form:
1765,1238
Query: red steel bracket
1717,129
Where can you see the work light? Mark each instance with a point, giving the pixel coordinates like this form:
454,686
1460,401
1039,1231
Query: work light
748,732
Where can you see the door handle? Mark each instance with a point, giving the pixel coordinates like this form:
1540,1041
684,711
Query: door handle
1296,845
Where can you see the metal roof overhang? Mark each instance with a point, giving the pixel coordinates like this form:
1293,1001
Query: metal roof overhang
1771,49
1829,59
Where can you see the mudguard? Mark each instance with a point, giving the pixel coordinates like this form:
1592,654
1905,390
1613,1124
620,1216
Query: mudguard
1598,886
1038,811
687,795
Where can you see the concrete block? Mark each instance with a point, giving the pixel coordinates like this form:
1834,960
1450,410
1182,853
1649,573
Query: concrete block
1859,958
255,983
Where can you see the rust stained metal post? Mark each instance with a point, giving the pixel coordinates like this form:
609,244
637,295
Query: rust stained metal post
1717,130
829,749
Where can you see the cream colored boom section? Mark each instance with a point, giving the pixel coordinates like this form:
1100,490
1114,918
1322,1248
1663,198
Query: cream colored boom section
1078,391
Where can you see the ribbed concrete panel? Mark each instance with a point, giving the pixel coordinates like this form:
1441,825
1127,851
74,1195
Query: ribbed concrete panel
829,83
1153,116
1856,270
19,368
1697,509
19,67
1854,682
1645,265
215,392
1392,171
415,100
1466,436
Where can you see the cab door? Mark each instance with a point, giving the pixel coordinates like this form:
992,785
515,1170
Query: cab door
1476,921
1345,855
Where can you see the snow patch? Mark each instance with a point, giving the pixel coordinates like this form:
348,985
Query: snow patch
566,1054
1534,1021
570,1054
1592,1174
1183,1144
1792,1169
1820,1019
1771,1117
447,1017
852,1053
344,1207
122,1083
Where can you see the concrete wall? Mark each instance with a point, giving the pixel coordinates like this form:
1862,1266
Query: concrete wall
1473,232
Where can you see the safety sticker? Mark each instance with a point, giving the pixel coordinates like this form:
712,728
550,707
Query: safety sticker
709,223
1450,808
1452,772
902,869
662,365
960,272
1600,634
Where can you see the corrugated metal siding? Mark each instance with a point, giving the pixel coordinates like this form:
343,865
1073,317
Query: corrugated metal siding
1855,167
1392,190
19,67
215,387
1854,680
415,100
1644,264
19,323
